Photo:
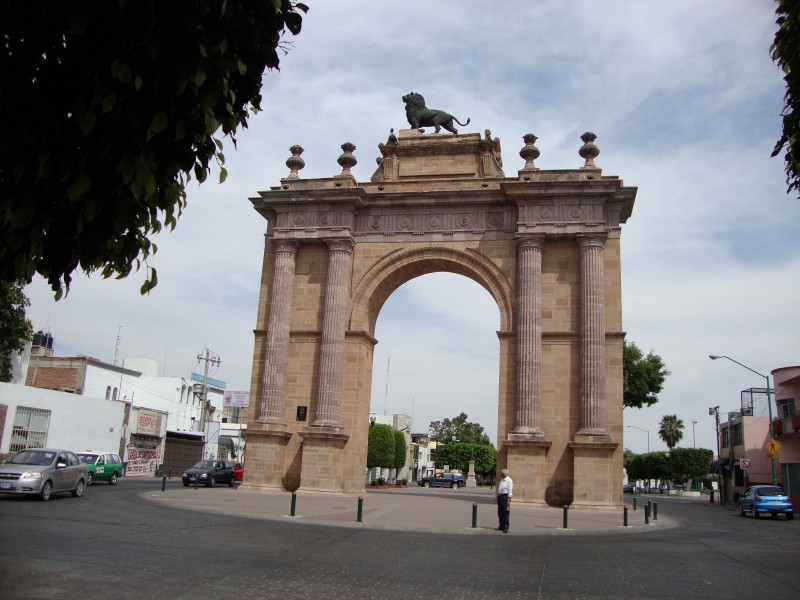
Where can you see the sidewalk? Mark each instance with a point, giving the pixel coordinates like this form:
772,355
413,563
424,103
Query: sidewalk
408,509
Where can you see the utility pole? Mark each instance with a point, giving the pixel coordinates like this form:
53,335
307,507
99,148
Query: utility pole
210,358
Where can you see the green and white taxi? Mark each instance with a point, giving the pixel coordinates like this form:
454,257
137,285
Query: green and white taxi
102,466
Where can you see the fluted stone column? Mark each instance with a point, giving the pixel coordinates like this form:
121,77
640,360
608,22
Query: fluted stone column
277,347
527,423
593,334
331,361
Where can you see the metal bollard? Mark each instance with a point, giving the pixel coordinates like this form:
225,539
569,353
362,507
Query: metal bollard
647,514
655,511
566,510
195,481
711,497
474,515
360,509
294,504
163,483
625,516
634,503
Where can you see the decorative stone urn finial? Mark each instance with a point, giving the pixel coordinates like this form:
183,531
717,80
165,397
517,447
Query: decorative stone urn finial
589,151
294,162
529,152
347,160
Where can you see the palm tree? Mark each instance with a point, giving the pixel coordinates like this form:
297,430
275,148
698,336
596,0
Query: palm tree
671,430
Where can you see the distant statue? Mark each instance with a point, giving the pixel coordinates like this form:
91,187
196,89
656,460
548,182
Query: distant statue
419,115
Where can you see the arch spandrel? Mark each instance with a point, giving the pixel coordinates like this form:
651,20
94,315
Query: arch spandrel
405,264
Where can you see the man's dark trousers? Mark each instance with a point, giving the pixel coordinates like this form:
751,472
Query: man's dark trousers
502,512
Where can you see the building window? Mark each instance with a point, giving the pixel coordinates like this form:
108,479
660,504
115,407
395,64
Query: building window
114,394
786,408
108,393
738,434
725,438
29,429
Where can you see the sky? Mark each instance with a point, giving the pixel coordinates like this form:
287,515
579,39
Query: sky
685,102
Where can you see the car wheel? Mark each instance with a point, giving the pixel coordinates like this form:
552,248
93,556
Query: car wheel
212,482
185,484
47,490
741,511
426,484
113,480
89,479
789,516
753,511
232,481
455,486
78,491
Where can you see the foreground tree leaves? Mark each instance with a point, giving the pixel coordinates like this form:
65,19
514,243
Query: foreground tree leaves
108,110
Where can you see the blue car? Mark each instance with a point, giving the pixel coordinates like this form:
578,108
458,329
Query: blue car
762,499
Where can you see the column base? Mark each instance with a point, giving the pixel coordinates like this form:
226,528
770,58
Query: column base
266,458
525,461
322,459
594,480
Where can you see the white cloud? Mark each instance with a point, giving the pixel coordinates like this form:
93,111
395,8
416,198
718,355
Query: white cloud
685,102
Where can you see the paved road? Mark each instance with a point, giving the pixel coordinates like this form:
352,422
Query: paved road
134,541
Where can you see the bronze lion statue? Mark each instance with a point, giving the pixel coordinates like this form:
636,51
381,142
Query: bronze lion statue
419,115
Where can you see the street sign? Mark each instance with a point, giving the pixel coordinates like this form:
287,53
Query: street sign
773,448
744,463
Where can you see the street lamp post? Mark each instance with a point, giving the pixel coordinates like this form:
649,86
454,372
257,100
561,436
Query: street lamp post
769,408
714,410
648,436
694,443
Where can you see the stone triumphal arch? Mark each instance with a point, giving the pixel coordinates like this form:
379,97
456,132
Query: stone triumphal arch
544,244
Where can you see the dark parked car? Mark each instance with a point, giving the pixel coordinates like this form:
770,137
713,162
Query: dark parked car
43,471
209,473
451,480
761,499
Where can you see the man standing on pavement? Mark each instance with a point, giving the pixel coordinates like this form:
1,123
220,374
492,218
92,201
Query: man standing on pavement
505,489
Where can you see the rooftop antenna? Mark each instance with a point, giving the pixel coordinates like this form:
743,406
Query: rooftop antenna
116,350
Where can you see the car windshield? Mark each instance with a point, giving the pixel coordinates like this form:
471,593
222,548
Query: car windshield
204,464
32,457
88,459
770,491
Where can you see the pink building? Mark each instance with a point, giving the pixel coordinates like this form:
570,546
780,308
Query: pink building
744,435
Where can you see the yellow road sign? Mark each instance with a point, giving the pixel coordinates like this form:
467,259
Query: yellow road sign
773,448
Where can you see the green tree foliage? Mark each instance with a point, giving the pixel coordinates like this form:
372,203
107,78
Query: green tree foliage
380,447
786,54
687,463
15,329
108,110
458,457
461,429
643,376
400,450
671,430
656,465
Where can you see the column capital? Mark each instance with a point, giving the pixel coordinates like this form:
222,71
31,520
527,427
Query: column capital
282,245
594,239
534,240
340,244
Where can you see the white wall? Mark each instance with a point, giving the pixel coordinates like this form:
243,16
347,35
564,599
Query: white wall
76,422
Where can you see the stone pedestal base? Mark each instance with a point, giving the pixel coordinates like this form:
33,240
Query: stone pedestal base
471,482
526,460
322,461
266,459
593,477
